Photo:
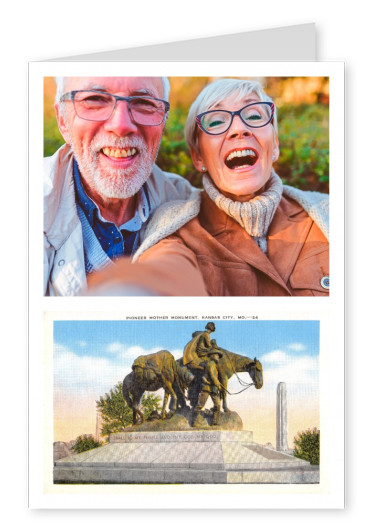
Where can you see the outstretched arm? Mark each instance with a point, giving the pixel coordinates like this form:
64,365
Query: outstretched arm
168,268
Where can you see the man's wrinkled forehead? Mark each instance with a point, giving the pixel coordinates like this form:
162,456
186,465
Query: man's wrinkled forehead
127,86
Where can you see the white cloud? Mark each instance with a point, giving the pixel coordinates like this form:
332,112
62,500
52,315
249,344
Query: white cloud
300,373
298,347
115,347
84,374
177,353
292,367
129,354
276,357
297,371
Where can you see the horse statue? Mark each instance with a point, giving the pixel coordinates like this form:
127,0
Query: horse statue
153,372
161,370
228,365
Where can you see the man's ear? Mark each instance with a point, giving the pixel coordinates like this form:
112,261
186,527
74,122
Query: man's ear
62,125
197,160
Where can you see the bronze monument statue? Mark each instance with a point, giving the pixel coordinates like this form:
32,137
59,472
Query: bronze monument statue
198,348
204,371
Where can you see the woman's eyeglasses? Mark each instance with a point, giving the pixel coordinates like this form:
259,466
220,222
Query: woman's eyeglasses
219,121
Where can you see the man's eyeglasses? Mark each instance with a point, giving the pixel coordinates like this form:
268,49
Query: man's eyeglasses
253,115
98,106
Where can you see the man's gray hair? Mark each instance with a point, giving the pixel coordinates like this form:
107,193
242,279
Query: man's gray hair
213,94
60,84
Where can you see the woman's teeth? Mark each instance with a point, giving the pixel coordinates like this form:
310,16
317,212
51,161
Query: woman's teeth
119,153
241,158
241,153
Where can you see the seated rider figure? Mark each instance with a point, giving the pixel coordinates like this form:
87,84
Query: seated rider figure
210,386
196,351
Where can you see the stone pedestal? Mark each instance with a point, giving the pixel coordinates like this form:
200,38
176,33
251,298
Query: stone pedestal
183,457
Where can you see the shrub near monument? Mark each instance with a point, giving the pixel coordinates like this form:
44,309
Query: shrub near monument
307,446
84,443
117,415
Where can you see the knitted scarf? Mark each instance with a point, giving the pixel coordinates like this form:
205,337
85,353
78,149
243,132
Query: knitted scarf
255,215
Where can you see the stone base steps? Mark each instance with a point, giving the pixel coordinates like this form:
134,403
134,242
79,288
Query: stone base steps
184,457
110,475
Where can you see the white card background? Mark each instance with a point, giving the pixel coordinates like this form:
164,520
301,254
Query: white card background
328,310
36,33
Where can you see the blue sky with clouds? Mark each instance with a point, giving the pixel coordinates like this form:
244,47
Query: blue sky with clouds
255,338
90,357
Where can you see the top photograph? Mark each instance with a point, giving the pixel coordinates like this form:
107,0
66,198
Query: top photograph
186,186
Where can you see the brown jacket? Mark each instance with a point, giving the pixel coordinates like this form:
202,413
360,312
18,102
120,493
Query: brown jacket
213,255
231,263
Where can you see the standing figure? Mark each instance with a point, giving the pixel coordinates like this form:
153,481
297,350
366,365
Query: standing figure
210,386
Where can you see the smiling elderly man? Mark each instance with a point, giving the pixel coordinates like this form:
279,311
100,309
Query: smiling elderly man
102,186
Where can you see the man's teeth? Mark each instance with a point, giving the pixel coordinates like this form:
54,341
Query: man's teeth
119,153
241,153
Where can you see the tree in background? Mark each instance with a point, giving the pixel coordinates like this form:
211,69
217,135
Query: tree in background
307,446
117,415
84,443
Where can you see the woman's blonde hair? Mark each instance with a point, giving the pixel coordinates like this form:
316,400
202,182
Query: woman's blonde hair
216,92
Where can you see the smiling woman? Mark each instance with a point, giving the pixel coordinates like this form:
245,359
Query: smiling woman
248,234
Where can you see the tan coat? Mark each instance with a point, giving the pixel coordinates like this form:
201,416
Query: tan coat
213,255
231,263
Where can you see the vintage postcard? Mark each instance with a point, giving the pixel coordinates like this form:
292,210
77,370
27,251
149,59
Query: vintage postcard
184,330
260,431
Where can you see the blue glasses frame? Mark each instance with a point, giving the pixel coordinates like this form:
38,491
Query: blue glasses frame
236,113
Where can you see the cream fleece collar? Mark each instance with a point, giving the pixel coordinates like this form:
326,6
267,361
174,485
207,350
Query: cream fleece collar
255,215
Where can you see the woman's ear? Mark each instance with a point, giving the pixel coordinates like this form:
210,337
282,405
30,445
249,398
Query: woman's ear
275,148
62,124
197,160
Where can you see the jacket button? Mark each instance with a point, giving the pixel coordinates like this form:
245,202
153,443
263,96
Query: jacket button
61,262
325,282
117,239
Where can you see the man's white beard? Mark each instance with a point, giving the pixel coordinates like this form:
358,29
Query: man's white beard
115,183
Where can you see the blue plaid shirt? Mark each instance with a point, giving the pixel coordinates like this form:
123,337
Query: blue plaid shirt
115,241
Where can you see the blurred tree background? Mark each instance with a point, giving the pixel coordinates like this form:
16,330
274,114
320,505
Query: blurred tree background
303,128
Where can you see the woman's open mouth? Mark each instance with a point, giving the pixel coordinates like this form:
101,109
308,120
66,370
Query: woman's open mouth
241,158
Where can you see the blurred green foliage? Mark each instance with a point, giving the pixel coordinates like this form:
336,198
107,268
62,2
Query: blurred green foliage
52,137
304,146
303,141
173,154
307,446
